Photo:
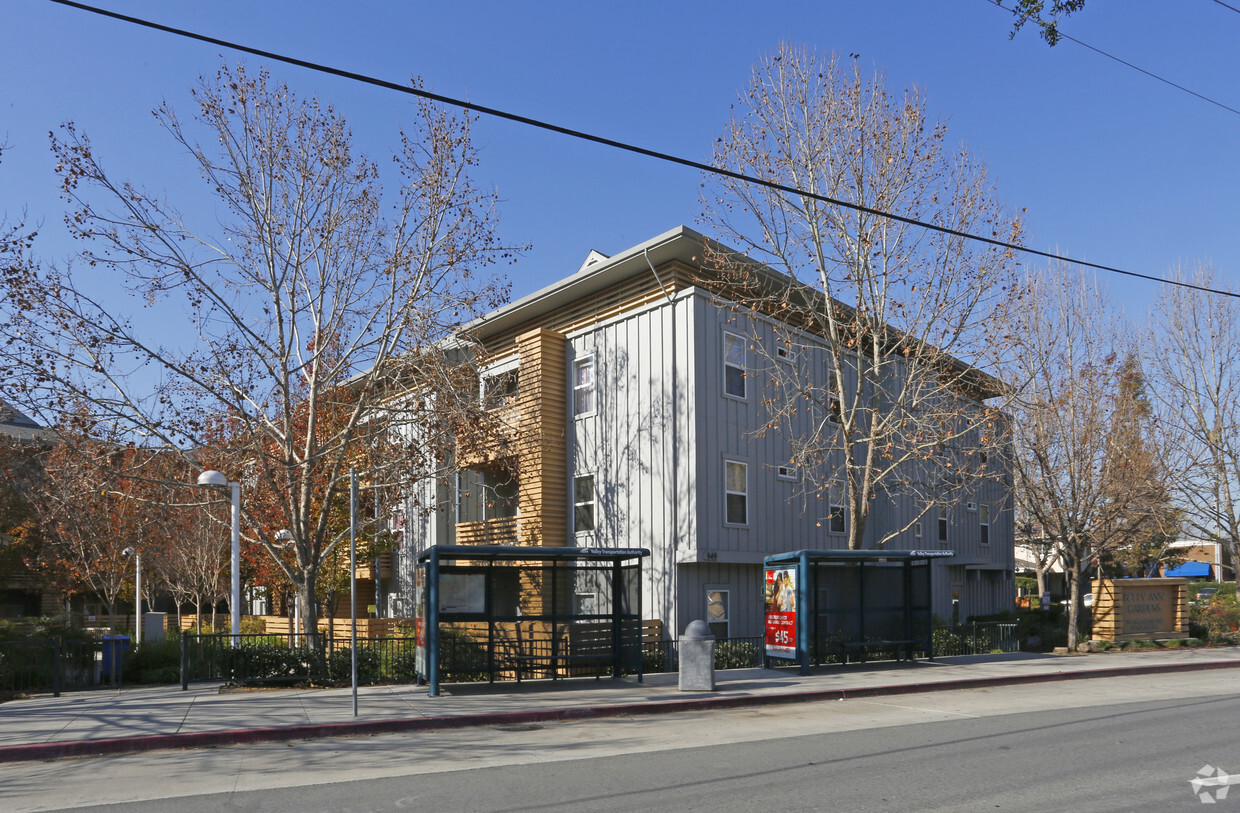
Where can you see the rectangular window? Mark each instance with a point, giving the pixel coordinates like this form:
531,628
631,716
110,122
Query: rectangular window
583,504
717,613
585,604
499,390
917,529
583,386
784,353
983,516
833,397
835,502
734,365
736,492
788,473
942,509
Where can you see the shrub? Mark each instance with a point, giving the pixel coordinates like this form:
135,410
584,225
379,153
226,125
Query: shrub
1217,618
402,666
340,665
735,655
461,656
157,661
654,660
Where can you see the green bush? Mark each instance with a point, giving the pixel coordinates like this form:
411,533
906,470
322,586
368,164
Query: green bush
340,665
461,656
402,667
735,655
1218,618
654,660
156,661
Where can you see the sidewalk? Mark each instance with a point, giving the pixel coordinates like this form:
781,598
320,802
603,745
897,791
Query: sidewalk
142,719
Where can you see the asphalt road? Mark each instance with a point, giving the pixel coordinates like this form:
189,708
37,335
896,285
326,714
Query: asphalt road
1121,744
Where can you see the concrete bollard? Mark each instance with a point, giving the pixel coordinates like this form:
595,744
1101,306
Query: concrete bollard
697,658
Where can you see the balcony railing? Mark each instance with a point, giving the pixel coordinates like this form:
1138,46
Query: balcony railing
501,531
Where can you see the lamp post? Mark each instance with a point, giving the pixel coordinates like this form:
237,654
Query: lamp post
215,479
137,588
285,538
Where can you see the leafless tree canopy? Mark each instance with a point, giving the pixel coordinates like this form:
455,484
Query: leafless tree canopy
899,412
1195,360
1087,473
317,298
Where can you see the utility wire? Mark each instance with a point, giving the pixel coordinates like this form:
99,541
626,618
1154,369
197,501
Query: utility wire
1125,63
620,145
1226,5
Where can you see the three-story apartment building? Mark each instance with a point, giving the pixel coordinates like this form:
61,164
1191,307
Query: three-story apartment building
634,396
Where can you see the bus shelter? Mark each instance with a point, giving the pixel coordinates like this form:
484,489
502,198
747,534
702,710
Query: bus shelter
833,604
514,611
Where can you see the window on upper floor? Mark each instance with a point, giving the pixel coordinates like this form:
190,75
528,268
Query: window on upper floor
583,504
789,473
834,408
583,386
736,493
499,389
734,365
942,522
835,503
983,518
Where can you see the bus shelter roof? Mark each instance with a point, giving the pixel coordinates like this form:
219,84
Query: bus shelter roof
529,553
856,556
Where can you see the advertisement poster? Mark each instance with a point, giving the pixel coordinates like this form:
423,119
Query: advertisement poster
419,621
781,612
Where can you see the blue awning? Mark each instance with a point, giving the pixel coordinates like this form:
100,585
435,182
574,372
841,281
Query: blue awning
1189,570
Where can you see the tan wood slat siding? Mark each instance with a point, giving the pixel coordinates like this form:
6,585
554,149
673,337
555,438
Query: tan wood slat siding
629,294
542,492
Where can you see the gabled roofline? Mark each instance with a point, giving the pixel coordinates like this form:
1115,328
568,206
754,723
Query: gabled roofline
680,243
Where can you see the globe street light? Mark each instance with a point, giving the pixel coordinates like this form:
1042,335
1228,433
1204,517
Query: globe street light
215,479
285,538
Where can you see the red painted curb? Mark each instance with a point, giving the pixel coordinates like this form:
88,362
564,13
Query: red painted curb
207,739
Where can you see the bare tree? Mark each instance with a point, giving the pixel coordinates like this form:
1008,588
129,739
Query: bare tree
1080,476
1195,359
899,413
314,310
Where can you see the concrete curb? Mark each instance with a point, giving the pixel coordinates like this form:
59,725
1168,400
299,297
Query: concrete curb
208,739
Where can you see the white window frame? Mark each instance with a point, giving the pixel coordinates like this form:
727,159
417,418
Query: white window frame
744,393
726,621
785,353
584,362
592,502
983,522
942,523
508,372
837,515
917,529
835,406
727,492
790,474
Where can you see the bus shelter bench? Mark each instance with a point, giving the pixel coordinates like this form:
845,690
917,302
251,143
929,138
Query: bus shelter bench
902,647
523,664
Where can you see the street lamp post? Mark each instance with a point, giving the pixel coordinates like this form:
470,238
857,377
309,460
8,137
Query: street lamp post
137,587
285,538
217,480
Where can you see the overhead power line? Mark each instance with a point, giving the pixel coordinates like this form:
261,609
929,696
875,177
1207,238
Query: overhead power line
1228,5
621,145
1128,64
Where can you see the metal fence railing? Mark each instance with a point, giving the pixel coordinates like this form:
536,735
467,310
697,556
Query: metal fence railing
287,657
730,653
977,638
56,664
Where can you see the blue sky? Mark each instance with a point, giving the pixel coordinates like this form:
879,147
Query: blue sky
1111,165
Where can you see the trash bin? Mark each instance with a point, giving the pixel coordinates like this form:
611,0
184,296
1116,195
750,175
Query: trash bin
114,649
